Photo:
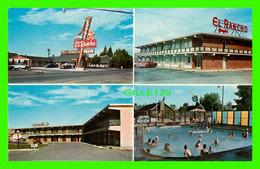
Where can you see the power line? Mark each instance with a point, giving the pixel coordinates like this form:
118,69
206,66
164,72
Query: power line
108,10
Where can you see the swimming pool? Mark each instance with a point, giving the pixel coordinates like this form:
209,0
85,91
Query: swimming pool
181,137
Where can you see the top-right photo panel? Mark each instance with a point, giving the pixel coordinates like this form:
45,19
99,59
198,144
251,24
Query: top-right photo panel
193,46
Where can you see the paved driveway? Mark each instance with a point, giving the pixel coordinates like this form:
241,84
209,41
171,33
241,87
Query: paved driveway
71,152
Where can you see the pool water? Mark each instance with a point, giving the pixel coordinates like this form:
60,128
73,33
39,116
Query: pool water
181,137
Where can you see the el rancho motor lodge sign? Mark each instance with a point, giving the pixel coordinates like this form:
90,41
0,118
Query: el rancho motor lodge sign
85,43
225,25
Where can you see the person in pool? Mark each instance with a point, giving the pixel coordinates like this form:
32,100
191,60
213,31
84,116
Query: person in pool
191,133
153,144
210,131
187,152
200,137
149,142
167,148
147,131
245,135
229,135
216,142
148,150
232,134
156,139
197,145
204,150
170,136
211,149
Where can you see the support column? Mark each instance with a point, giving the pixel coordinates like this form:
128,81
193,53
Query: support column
185,116
150,120
162,116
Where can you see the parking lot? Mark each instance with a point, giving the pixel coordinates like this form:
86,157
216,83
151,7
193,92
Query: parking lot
170,76
56,75
71,152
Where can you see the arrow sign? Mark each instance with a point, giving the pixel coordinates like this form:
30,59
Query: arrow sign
223,31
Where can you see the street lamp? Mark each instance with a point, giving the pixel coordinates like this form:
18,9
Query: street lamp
222,104
18,139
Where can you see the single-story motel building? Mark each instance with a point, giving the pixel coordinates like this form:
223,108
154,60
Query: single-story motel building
113,126
204,51
37,61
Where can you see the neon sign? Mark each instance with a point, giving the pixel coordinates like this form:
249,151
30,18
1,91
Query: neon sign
41,124
224,25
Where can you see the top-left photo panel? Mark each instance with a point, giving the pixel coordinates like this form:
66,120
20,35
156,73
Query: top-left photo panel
70,45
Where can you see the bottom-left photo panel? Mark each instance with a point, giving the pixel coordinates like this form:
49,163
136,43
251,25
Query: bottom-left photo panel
70,123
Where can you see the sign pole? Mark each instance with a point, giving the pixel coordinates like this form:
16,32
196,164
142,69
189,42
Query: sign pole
84,37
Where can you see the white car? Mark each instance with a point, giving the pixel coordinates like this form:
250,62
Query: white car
145,119
20,66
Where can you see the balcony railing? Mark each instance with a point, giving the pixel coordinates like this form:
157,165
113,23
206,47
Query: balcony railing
51,133
197,49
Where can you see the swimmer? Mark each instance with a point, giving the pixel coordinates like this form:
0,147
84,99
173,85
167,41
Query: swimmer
149,142
187,152
197,145
200,137
153,144
148,150
167,148
210,149
170,136
229,135
210,131
232,134
216,142
191,133
147,131
156,139
204,150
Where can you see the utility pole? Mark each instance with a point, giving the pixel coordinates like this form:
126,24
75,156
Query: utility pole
86,27
48,50
222,97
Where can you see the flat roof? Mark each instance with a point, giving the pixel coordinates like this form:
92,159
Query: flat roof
47,127
198,35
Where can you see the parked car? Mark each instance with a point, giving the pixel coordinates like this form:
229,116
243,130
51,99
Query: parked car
20,66
51,65
65,66
10,67
145,64
145,119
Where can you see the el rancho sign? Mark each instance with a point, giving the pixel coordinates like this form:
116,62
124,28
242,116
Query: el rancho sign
224,25
41,124
85,43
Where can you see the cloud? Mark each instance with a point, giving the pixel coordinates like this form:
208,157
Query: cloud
100,19
63,36
177,91
152,25
85,102
25,99
124,27
124,43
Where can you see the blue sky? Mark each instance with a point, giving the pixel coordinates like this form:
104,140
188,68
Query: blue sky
60,105
157,24
182,94
32,31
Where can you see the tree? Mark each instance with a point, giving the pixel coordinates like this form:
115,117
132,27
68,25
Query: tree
184,107
95,60
110,52
228,106
122,59
244,94
211,101
104,52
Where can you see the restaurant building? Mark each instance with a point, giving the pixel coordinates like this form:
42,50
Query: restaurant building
204,51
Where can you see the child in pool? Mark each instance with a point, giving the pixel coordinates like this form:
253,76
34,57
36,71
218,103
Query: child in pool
170,136
187,152
167,148
204,150
216,142
156,139
153,144
197,145
149,142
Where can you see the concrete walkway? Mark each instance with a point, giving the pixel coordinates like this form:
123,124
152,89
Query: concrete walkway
71,152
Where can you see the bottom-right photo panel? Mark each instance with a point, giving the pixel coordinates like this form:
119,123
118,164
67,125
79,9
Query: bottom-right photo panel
193,123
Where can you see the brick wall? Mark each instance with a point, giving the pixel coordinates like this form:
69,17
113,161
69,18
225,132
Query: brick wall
194,62
212,62
239,62
196,42
212,42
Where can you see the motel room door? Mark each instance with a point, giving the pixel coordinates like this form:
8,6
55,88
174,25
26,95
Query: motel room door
224,62
198,62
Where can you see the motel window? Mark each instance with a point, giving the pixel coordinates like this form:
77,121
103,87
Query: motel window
214,116
166,47
188,60
250,118
153,49
176,45
237,118
159,48
148,49
224,117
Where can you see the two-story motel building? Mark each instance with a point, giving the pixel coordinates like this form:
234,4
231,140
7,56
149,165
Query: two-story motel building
199,51
111,126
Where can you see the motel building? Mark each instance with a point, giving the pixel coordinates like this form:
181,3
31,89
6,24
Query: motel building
111,126
51,134
205,51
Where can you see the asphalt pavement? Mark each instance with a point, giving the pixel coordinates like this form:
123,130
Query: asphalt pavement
103,76
71,152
